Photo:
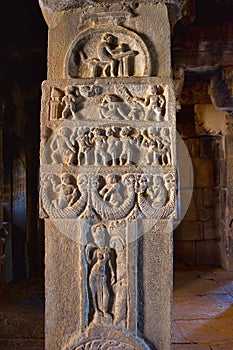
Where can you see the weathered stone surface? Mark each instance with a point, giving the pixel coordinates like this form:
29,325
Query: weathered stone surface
204,173
203,331
193,145
190,347
229,146
194,211
66,35
189,231
211,228
108,191
224,346
208,253
208,120
210,147
185,252
49,7
221,89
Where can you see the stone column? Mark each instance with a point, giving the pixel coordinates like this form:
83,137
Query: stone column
227,193
108,174
222,97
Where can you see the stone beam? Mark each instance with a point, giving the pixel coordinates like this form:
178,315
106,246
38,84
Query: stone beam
222,88
176,8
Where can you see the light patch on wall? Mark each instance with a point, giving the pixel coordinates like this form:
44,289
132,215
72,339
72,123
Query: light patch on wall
208,120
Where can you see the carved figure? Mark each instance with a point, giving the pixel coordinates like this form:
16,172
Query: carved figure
135,113
105,52
101,274
106,209
100,147
111,191
169,182
128,146
82,136
157,212
66,190
157,193
152,142
166,146
141,183
55,103
75,206
69,101
62,149
110,108
155,103
114,145
114,55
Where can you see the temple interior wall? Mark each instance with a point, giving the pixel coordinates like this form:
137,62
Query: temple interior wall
23,68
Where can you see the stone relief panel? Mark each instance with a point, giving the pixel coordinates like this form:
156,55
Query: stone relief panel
107,52
107,165
121,104
102,275
109,197
103,337
109,146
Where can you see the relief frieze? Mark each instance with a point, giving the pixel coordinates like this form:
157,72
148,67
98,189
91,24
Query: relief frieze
110,197
109,146
120,104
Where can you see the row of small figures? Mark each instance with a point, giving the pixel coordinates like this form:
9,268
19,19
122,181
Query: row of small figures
110,146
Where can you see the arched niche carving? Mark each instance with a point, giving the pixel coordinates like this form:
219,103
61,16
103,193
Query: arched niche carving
105,337
107,52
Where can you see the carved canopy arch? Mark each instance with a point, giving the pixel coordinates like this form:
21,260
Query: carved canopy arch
82,60
105,337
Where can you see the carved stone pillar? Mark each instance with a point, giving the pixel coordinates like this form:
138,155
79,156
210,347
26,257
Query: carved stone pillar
227,195
108,174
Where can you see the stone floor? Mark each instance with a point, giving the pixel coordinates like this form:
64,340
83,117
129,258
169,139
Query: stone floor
202,312
22,316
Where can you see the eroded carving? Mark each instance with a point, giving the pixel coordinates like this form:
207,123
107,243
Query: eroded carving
153,211
105,344
62,149
111,146
66,103
63,198
110,192
119,204
120,104
71,100
105,337
110,197
117,52
66,190
154,103
102,275
56,103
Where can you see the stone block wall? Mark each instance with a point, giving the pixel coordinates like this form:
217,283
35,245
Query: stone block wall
197,238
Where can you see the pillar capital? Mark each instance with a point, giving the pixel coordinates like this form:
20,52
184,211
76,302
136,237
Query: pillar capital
176,8
222,88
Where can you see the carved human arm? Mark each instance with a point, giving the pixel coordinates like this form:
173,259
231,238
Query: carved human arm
88,250
70,145
74,196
